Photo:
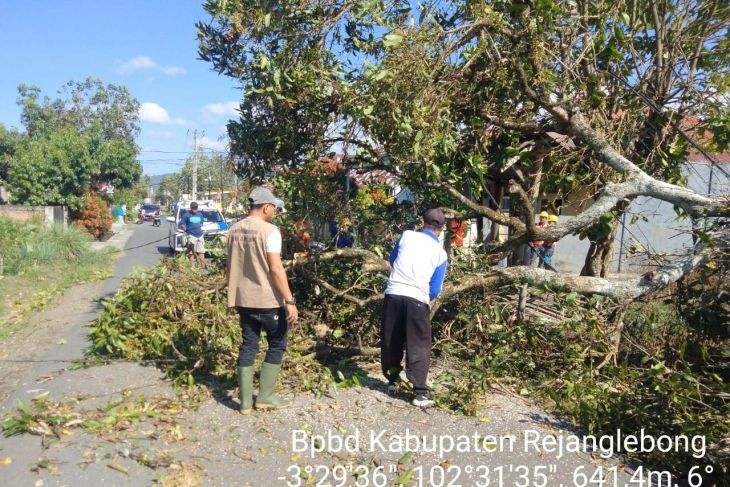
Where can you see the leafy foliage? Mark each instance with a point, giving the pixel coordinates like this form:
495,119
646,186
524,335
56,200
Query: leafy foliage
668,377
75,143
54,170
27,246
9,141
465,93
94,216
174,315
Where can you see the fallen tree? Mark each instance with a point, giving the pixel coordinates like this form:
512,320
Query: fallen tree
601,102
665,374
619,288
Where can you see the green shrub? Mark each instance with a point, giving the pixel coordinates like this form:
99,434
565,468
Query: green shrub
28,247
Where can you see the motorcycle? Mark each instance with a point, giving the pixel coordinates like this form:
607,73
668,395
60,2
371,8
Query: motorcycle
156,220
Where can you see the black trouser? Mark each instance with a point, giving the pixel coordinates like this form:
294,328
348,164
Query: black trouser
406,324
273,322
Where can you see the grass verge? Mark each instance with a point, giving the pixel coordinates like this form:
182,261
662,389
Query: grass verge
40,263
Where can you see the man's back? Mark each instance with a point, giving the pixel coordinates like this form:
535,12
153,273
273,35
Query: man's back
250,282
418,256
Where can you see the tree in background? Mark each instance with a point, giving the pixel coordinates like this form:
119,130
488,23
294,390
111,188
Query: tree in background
131,197
462,98
9,140
218,166
54,170
170,187
74,143
82,105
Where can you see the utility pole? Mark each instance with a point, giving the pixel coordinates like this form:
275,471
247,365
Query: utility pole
195,165
210,180
221,161
621,243
709,184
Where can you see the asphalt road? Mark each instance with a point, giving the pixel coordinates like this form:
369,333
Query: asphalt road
58,336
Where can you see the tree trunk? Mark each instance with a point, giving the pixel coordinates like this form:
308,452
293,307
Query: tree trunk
600,253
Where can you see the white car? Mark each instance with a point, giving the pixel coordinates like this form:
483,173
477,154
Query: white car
214,223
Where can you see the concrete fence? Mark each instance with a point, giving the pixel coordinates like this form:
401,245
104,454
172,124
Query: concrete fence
50,215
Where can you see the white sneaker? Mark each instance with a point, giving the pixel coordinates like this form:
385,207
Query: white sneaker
423,401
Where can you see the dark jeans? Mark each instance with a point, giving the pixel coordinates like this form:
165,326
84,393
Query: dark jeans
406,325
273,322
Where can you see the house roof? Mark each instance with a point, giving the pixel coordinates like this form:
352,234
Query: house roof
721,158
374,176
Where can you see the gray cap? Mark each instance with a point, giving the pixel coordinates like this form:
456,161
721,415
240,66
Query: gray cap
263,196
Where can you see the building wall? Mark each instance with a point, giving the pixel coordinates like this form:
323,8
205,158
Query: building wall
650,225
49,215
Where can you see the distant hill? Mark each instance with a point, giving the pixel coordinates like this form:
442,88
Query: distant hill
155,180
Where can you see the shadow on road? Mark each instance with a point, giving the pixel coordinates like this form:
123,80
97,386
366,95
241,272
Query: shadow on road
164,250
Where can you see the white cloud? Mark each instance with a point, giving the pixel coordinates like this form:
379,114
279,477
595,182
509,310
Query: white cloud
172,70
225,109
154,113
141,63
215,144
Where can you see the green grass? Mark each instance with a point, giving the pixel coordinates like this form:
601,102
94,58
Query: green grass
40,263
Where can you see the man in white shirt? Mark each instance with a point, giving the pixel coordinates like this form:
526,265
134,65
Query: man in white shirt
418,268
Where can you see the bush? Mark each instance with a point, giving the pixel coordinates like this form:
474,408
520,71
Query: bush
173,314
94,216
26,247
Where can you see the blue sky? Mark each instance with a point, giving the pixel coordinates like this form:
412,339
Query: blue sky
149,46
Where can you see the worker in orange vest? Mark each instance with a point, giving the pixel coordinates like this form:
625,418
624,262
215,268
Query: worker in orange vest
548,246
538,244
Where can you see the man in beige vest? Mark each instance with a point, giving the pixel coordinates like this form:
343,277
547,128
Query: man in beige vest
258,288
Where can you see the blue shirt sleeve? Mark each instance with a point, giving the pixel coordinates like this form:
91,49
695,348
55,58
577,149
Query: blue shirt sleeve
437,281
394,252
184,221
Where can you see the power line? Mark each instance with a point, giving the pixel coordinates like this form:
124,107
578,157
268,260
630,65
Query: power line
165,159
201,148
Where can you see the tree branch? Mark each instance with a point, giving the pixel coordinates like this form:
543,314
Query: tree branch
694,203
516,188
484,210
367,255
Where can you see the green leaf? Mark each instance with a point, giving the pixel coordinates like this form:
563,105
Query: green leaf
381,74
264,61
267,20
405,458
392,40
406,477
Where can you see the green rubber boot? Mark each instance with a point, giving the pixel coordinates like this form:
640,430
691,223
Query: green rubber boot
245,389
266,398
